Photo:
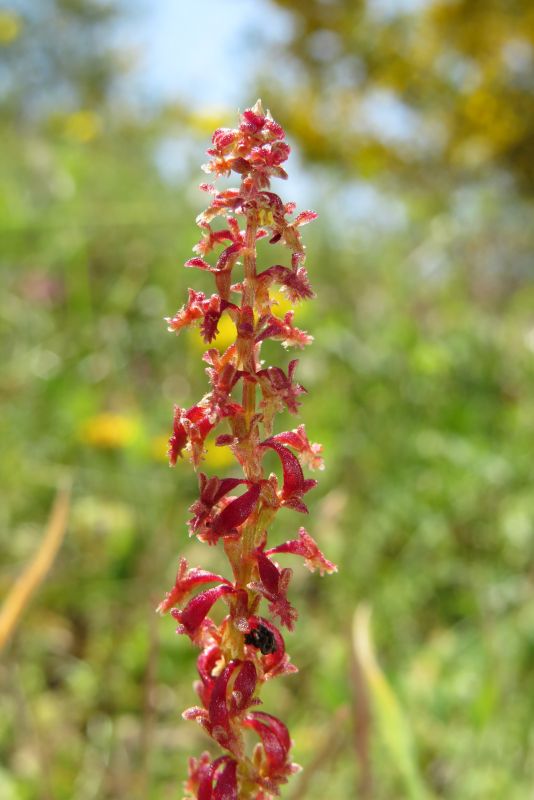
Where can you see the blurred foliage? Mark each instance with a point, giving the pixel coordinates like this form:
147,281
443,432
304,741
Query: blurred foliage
421,385
56,54
428,91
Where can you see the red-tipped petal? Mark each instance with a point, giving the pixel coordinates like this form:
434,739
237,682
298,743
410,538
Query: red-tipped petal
306,547
304,217
185,582
199,263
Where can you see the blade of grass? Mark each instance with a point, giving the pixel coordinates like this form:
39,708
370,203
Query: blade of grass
392,725
37,569
363,724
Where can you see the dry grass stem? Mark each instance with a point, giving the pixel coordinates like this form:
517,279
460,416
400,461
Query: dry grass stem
37,569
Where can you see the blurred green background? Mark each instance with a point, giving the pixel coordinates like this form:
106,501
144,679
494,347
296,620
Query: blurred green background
412,123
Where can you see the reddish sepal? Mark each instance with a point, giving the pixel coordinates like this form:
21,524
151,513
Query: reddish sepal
236,512
193,615
295,485
186,580
306,547
273,585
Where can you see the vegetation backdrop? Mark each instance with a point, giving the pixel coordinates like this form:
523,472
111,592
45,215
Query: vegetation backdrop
412,125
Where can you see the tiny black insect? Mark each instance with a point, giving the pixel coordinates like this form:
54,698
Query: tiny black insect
262,638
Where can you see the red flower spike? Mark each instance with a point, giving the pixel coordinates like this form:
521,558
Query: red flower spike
245,395
306,547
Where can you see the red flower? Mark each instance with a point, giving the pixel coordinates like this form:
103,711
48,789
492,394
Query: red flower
211,491
295,485
278,388
273,586
191,427
212,780
306,547
222,270
308,453
208,662
284,330
195,612
272,758
231,696
293,281
236,512
186,580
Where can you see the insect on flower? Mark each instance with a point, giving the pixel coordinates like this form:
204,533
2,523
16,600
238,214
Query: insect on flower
262,638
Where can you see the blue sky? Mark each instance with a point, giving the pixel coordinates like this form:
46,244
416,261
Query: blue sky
203,50
207,52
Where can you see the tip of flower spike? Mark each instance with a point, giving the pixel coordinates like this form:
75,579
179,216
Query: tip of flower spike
257,108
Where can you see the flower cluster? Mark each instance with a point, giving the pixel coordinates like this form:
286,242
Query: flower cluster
245,649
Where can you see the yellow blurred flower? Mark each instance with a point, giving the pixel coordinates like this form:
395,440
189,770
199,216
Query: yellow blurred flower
10,27
158,448
207,120
83,126
282,305
218,457
227,330
215,457
109,431
226,336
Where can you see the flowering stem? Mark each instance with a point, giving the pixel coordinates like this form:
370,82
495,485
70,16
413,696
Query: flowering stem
244,650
